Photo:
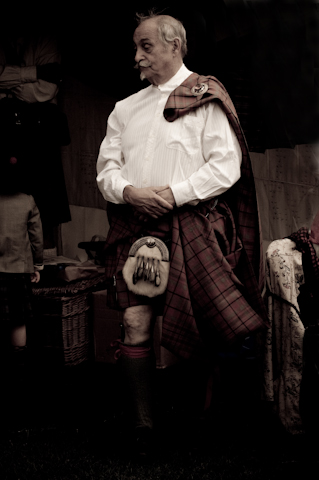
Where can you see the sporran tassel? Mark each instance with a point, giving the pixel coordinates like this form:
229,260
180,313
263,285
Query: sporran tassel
151,277
157,276
146,270
136,271
140,268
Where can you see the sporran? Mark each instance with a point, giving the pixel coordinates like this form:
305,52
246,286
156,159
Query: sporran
147,267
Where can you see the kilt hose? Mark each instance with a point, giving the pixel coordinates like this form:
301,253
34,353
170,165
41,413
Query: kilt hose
212,297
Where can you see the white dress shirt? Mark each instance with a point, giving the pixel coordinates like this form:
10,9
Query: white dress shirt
197,155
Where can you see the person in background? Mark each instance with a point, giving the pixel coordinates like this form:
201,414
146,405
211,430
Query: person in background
174,165
21,260
33,128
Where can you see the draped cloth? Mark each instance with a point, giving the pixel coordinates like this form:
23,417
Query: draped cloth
242,197
283,341
308,301
216,273
291,346
304,244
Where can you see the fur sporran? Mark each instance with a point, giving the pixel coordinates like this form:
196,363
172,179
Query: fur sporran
147,267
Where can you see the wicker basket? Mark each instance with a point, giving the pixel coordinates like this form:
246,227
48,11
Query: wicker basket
62,319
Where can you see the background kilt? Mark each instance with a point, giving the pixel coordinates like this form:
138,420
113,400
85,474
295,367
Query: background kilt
15,298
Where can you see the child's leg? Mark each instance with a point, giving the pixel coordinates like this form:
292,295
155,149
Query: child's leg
13,379
18,371
18,340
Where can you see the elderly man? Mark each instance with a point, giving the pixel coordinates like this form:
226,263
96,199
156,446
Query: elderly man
174,166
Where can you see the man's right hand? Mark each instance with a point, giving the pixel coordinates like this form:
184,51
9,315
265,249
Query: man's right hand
146,201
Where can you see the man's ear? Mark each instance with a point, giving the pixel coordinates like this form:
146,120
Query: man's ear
176,45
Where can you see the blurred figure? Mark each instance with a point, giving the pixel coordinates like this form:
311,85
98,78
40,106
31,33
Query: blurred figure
21,259
33,128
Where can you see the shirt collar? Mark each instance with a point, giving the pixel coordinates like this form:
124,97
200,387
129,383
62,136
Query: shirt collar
176,80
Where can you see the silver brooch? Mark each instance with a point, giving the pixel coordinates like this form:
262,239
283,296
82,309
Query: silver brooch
199,89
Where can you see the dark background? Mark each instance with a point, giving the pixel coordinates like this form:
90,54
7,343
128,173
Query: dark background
265,52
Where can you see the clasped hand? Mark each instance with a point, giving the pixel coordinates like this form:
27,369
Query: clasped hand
148,202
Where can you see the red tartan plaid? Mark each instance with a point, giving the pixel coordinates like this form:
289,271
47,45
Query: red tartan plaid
243,202
212,290
182,99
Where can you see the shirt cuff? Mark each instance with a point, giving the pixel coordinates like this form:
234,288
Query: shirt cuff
38,267
182,194
125,184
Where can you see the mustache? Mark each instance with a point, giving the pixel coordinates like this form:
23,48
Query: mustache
142,63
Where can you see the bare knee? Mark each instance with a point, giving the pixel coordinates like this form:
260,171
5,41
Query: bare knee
137,324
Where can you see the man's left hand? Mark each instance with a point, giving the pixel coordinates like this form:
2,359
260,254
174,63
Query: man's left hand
167,195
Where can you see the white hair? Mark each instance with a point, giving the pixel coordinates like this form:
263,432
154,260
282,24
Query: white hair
169,28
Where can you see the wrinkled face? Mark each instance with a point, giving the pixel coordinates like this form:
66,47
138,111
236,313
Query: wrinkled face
156,61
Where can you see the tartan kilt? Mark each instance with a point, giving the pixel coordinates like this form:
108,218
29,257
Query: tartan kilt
212,295
15,299
116,253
